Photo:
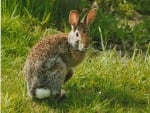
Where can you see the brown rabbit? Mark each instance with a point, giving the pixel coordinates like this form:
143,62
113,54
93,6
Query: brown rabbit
50,62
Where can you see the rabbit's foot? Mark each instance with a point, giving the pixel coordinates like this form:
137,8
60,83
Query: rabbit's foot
59,97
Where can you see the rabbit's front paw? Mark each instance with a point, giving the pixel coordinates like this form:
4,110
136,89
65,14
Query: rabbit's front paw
68,75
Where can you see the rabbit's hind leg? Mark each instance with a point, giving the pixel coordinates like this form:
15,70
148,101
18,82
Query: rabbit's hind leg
60,96
56,84
56,75
38,92
49,80
47,85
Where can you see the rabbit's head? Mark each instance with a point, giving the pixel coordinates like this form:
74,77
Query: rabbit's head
79,37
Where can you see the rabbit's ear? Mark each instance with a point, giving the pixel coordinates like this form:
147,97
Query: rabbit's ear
91,16
74,18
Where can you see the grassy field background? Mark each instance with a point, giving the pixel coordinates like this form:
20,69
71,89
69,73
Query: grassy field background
105,82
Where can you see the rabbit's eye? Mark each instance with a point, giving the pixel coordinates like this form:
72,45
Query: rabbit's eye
77,34
84,31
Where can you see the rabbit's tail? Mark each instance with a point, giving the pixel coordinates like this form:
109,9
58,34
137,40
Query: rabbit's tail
39,93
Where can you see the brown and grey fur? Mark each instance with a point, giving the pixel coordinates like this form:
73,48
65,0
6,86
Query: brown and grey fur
50,62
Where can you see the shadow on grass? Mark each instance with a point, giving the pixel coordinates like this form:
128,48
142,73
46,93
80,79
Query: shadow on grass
124,98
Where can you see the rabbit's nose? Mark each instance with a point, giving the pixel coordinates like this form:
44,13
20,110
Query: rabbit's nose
85,46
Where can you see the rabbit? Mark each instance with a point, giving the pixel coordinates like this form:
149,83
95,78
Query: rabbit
50,62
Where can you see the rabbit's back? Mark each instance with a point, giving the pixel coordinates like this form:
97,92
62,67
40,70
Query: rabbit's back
49,46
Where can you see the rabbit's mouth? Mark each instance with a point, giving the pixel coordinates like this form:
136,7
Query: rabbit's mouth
81,47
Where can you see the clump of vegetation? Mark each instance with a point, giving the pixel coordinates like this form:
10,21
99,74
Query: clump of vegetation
141,6
113,18
121,25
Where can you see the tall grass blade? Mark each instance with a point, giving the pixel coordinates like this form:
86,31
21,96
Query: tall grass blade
29,15
134,53
101,36
147,52
46,19
14,11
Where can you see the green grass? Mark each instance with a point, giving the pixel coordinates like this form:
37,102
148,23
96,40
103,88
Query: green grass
103,83
114,17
